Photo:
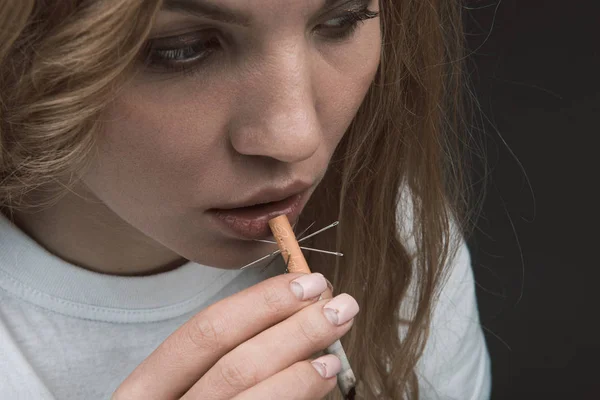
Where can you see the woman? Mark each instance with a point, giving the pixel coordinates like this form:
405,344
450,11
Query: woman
138,137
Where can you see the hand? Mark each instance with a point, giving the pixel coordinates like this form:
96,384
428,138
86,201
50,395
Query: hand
252,345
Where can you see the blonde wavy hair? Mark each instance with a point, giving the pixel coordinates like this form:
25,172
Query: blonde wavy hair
61,63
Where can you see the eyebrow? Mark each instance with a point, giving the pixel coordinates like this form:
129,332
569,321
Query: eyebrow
225,14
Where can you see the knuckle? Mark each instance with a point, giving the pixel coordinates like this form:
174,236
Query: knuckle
304,375
313,331
275,299
127,390
308,381
239,375
327,387
118,394
205,333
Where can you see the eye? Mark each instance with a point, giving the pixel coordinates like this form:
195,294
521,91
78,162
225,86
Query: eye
345,25
180,52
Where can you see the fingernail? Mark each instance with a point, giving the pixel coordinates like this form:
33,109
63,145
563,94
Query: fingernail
329,285
308,286
327,366
341,309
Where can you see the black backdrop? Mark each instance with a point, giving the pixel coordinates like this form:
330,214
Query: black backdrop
536,67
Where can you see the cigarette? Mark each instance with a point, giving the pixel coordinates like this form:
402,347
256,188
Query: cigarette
292,254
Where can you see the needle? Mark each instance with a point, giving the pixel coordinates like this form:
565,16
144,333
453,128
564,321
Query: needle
276,252
299,236
304,238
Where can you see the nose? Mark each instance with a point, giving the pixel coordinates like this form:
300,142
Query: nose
277,115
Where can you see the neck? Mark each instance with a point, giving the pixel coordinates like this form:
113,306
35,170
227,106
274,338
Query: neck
90,235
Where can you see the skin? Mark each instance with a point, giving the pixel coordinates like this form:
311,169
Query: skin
266,359
268,108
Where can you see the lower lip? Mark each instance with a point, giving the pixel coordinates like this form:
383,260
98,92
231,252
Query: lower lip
253,222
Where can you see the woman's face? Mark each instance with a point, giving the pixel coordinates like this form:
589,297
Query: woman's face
235,97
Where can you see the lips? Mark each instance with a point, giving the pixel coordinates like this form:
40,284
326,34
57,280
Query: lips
268,195
251,220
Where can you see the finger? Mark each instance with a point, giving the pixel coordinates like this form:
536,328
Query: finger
302,381
297,338
193,348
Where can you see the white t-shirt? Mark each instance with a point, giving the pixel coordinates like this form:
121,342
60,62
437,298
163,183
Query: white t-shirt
69,333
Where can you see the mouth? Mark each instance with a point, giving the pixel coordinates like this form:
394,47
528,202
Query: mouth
251,221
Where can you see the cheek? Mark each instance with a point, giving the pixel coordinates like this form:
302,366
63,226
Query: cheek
157,143
343,89
161,141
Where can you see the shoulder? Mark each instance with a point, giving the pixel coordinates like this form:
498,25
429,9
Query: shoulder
455,363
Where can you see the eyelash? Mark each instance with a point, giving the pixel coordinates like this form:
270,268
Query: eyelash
350,20
200,49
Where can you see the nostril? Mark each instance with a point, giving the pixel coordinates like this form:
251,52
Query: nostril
284,133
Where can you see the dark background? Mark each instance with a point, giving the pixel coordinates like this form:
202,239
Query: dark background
535,67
